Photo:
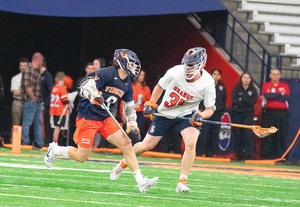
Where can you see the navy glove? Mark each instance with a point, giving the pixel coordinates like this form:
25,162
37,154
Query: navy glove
149,109
196,119
133,131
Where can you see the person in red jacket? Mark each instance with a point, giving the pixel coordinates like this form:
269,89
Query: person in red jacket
275,113
141,94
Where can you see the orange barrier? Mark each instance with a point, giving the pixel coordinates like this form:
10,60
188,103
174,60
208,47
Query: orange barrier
16,139
28,147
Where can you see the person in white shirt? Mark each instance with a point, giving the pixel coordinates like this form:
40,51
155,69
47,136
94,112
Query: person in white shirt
185,86
16,109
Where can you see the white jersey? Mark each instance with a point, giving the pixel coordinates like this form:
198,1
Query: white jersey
182,97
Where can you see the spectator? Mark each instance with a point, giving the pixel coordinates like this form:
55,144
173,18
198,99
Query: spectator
276,95
31,96
99,63
208,142
244,97
141,94
89,68
15,88
47,85
58,106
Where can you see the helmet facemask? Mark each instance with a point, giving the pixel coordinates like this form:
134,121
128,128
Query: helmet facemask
194,60
132,68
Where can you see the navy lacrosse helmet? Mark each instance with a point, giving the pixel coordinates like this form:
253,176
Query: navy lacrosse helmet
194,60
128,61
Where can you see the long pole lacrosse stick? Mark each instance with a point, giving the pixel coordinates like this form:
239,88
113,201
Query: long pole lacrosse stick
259,131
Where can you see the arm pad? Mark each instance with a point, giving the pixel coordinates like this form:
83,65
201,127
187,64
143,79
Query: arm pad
129,111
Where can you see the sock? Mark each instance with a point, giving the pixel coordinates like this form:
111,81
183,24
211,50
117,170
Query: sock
182,179
138,176
123,164
61,151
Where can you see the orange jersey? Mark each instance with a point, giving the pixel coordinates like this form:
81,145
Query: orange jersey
140,96
59,94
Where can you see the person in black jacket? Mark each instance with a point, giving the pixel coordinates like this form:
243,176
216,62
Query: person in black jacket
244,97
208,142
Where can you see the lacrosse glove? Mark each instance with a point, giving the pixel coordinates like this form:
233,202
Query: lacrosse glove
97,100
149,109
133,131
196,119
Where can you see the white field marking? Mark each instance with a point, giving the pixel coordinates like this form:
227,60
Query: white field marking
126,194
52,168
245,184
208,195
68,200
24,160
34,178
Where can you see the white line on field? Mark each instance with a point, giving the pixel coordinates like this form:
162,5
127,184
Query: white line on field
52,168
68,200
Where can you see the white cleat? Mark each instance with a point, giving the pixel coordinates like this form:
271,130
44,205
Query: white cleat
116,172
50,157
147,183
182,188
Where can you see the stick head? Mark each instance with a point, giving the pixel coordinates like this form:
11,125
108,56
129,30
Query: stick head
263,132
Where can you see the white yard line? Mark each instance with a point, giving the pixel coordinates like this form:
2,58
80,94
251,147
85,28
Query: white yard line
68,200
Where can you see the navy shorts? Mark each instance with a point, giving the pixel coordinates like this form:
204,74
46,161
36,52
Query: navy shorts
56,119
160,125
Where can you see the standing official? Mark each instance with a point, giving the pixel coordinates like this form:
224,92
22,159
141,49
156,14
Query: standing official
275,113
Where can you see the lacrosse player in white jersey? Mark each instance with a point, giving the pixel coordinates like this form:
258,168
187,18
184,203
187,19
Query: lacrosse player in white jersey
185,86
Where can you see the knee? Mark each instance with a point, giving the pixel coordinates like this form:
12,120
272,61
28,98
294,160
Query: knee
125,147
146,147
190,145
82,158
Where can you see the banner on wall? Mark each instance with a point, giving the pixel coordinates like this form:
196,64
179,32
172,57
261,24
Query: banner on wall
225,132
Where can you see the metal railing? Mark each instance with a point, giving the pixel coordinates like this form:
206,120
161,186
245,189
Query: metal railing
243,48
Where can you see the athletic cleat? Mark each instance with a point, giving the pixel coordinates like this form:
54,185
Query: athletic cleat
50,157
147,183
117,171
182,188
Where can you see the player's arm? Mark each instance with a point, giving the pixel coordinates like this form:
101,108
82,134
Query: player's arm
157,91
151,106
132,127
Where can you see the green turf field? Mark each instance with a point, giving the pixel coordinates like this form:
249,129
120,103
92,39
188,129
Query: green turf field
25,181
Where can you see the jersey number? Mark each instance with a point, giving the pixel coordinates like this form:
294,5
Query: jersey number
111,100
175,100
54,100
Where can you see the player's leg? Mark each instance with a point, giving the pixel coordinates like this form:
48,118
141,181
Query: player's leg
190,136
119,140
147,144
83,136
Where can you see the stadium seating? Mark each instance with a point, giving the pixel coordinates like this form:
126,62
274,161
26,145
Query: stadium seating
278,19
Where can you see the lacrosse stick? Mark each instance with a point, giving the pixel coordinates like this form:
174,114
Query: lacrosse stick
89,85
116,122
259,131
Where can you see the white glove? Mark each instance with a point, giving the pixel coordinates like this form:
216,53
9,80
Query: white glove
88,89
